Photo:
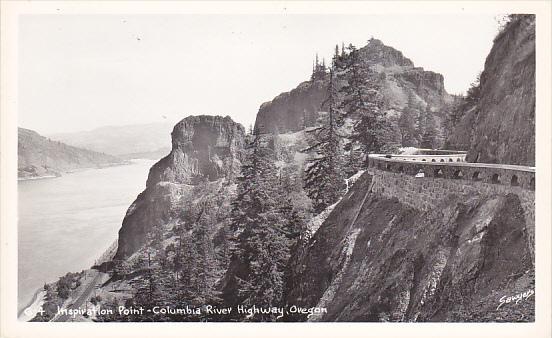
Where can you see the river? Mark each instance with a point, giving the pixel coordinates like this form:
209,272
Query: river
65,223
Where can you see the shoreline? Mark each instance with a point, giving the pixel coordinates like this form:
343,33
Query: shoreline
32,178
29,311
72,171
36,299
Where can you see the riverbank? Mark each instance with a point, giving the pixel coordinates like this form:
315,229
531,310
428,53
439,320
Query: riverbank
35,178
34,306
69,223
57,174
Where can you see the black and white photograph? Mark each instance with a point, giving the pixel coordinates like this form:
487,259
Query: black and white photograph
276,164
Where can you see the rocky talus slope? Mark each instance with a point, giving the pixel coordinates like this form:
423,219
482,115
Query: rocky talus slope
39,156
204,148
500,128
386,261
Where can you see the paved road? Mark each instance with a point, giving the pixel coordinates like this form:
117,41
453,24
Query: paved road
402,159
80,300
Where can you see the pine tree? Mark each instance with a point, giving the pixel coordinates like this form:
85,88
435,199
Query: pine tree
262,246
363,102
323,174
319,70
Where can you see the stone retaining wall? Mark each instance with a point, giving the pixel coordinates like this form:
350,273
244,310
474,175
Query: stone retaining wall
396,178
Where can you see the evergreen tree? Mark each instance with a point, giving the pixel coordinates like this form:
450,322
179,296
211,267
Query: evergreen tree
363,102
319,70
262,246
323,174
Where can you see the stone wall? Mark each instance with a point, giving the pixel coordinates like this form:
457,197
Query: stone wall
499,174
396,178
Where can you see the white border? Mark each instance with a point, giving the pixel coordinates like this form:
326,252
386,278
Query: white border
9,325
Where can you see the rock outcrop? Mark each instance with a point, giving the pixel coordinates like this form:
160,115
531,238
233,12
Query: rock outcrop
204,149
293,110
500,127
39,156
406,89
202,146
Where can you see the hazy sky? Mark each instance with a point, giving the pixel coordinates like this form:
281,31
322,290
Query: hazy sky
79,72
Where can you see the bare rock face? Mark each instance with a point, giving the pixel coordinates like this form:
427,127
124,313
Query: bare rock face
500,128
293,110
204,148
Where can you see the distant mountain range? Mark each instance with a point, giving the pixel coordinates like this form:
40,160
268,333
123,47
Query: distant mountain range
39,156
152,140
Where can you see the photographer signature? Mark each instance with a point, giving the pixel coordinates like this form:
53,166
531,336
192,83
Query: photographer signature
515,298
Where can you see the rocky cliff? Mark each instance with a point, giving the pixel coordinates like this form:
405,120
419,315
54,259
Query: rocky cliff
204,149
500,127
293,110
377,259
406,89
202,146
39,156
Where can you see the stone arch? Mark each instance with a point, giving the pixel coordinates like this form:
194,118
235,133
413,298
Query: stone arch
495,179
514,182
476,176
442,160
432,160
450,160
532,183
458,174
458,159
423,159
438,172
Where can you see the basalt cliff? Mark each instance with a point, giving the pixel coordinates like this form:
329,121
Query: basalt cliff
499,127
204,149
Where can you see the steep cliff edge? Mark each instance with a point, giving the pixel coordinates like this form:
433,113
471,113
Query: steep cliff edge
391,262
407,90
204,149
204,146
39,156
500,127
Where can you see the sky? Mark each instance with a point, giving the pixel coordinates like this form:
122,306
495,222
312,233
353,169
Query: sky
80,72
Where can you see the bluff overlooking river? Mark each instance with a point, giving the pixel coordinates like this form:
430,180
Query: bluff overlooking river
203,148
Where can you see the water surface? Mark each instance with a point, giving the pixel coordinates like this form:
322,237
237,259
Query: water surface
65,223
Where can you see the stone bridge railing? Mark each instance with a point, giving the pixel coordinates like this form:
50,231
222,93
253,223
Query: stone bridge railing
452,165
